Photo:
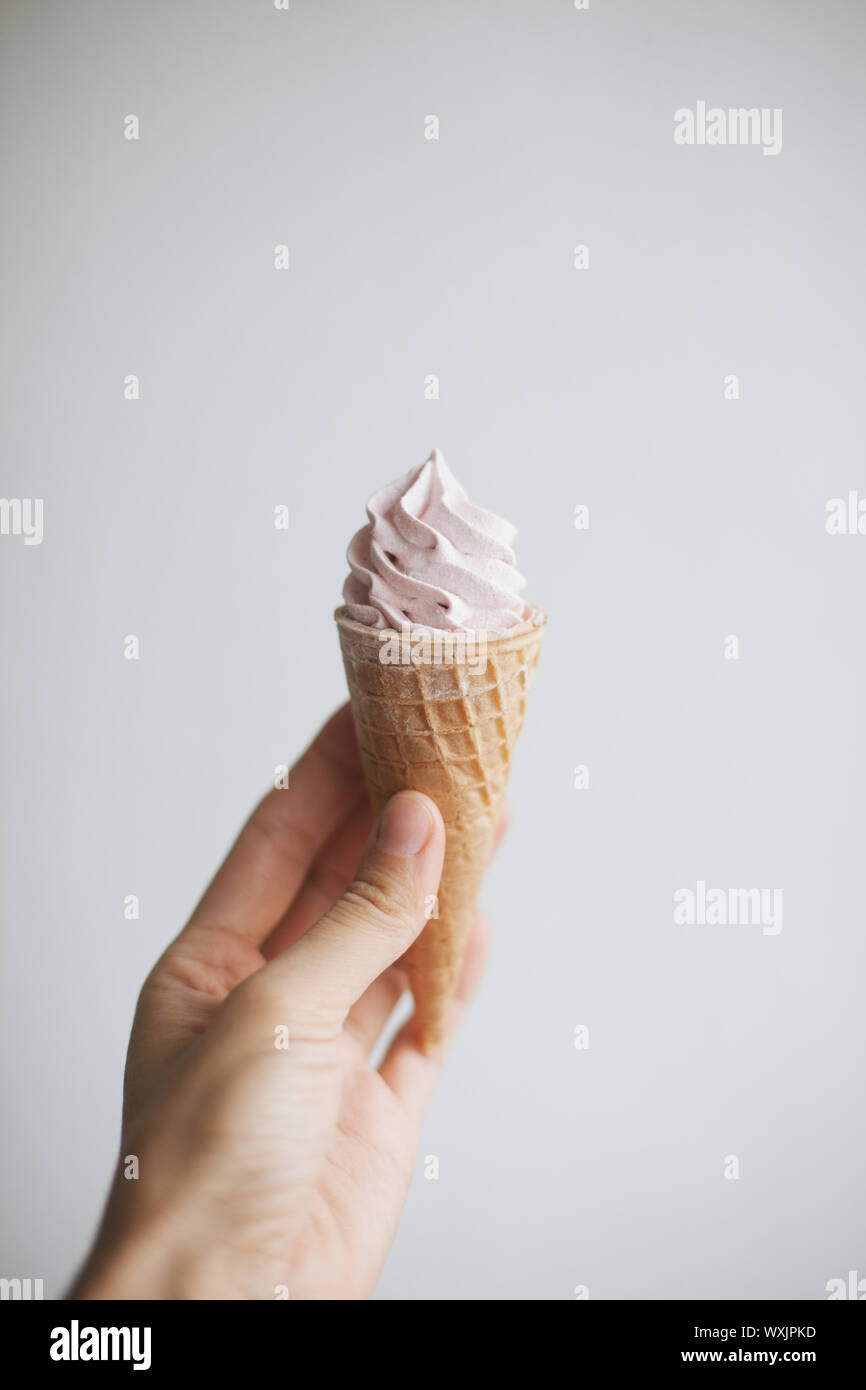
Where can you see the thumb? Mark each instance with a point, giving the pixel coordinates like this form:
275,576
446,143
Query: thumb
376,920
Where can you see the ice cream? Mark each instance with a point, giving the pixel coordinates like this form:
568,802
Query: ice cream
428,557
447,724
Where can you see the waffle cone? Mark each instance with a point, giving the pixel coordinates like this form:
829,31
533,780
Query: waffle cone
447,727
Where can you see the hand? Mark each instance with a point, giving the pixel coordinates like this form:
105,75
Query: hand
267,1170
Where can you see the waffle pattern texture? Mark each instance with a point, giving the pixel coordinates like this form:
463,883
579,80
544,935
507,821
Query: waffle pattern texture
448,729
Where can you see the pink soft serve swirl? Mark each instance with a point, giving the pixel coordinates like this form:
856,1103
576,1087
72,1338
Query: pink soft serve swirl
430,558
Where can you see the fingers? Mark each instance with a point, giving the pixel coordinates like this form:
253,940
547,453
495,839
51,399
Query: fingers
368,1017
408,1071
273,852
378,917
331,873
503,821
327,879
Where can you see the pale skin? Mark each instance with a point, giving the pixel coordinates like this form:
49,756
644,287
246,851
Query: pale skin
265,1170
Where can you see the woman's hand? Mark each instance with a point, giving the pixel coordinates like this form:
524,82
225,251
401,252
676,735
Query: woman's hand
261,1156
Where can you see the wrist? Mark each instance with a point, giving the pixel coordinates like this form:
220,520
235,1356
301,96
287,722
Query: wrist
150,1265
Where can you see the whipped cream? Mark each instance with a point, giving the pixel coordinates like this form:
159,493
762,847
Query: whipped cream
428,557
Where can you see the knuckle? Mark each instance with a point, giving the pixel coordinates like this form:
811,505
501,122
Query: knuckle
263,1002
382,896
381,902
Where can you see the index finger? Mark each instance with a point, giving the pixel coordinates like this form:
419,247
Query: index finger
269,860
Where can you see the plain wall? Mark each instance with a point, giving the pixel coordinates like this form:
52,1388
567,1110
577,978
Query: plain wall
559,1166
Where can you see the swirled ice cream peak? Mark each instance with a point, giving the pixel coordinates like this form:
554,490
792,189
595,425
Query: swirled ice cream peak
428,557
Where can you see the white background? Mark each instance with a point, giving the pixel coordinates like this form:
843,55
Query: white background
605,386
